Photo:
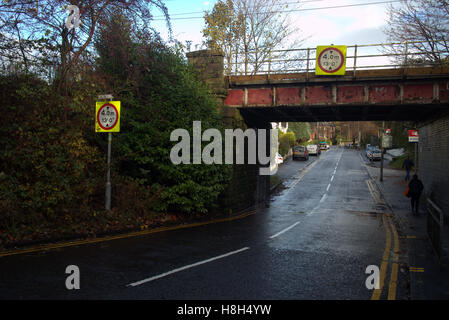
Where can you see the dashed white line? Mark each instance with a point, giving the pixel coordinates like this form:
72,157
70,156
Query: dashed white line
285,230
134,284
302,174
186,267
323,197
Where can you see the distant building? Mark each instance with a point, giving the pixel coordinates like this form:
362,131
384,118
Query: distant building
322,131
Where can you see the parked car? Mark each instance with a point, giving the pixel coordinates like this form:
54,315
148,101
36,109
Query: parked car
279,159
324,146
300,152
368,150
376,154
313,149
370,147
373,154
368,153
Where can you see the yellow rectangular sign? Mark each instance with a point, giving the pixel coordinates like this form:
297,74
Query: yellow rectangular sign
107,116
330,60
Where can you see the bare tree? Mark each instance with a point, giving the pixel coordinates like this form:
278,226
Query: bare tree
250,34
35,30
422,26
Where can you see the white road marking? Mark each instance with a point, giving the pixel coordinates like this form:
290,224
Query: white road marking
285,230
301,175
186,267
328,186
313,211
323,197
332,178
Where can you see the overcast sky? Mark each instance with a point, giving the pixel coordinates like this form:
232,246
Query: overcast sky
344,26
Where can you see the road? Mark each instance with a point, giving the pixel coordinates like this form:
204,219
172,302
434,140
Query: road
314,241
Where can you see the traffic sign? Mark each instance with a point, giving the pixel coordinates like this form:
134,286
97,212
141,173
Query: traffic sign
107,116
413,136
330,60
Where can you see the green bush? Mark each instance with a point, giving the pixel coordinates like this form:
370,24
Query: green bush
52,163
48,170
286,141
165,95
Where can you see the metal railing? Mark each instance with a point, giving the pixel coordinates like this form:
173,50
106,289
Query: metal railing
403,55
435,228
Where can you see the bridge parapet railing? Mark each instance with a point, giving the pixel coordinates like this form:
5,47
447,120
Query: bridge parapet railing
401,55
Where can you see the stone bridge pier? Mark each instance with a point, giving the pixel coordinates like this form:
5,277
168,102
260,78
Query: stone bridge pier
247,189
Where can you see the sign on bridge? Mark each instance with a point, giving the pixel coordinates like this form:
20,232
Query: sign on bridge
330,60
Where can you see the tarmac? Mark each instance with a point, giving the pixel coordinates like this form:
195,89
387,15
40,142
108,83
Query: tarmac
429,280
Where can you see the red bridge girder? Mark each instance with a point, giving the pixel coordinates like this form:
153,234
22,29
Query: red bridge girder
373,95
327,94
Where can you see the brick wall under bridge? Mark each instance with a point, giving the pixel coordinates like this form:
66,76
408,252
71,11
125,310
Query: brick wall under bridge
247,189
433,159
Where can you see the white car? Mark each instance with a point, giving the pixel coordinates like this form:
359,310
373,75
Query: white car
374,154
313,149
279,159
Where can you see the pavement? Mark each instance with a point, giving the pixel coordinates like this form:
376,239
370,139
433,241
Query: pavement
427,280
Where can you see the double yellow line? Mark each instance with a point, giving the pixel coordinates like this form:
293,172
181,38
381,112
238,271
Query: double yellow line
390,230
386,259
120,236
416,269
376,196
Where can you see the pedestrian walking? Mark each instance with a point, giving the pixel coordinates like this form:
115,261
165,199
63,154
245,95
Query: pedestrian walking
407,164
415,189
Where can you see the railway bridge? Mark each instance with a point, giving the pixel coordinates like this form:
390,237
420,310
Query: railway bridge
401,92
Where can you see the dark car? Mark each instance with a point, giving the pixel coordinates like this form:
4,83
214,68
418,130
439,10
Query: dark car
300,152
323,146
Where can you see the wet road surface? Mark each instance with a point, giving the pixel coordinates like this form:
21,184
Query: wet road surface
314,241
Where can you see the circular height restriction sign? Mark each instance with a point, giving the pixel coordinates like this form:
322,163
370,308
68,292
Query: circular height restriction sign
107,116
330,60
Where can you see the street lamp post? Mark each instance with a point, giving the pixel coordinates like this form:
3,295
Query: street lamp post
382,154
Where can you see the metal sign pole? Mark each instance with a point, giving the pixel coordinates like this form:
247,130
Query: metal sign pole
416,157
108,177
382,164
108,174
382,153
414,138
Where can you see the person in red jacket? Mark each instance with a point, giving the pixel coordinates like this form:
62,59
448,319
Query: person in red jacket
416,187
